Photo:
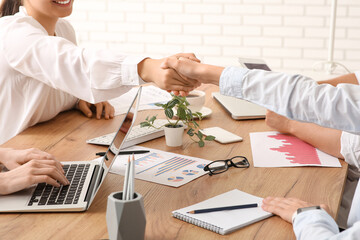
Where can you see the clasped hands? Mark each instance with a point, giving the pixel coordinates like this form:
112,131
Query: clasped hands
158,71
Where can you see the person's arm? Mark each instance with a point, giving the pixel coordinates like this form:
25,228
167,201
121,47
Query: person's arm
297,97
325,139
311,224
93,76
348,78
332,141
294,96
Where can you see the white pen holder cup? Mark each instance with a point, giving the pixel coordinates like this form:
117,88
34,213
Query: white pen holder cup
125,219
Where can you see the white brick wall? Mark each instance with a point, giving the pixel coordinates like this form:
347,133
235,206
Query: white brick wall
289,34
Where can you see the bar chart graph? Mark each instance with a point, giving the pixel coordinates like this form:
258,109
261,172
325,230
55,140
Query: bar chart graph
274,149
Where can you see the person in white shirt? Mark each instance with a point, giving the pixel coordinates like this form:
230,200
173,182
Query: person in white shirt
44,72
337,143
28,167
302,99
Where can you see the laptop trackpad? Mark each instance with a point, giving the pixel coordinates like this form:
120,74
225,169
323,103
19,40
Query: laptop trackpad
16,201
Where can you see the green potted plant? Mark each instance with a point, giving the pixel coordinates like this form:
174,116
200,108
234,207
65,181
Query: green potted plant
175,126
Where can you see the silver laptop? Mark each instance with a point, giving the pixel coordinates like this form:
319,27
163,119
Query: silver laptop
240,109
86,178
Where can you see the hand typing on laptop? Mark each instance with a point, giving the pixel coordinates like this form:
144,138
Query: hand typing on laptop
28,167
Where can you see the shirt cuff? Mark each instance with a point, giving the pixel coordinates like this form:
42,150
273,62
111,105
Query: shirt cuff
231,81
314,223
130,70
357,74
350,148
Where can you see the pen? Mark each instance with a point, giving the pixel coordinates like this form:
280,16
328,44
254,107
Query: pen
126,181
126,152
223,208
132,185
128,196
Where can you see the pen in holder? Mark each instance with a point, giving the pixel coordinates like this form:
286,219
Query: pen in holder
125,213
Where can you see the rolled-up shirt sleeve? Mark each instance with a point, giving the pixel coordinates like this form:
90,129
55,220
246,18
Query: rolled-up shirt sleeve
319,225
314,224
295,96
91,75
357,75
350,148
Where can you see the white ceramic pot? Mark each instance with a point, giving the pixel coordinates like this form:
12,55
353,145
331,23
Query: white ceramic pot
174,136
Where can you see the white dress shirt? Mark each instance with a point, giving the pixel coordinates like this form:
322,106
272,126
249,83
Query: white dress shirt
42,75
297,97
350,150
303,99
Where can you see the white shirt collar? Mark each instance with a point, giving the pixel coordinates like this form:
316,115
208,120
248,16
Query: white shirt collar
22,11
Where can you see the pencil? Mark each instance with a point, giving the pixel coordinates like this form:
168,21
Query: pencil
132,177
253,205
126,179
128,196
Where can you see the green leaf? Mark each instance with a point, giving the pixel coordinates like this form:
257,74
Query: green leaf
190,132
144,124
181,113
199,115
196,124
209,138
169,113
201,143
186,102
172,103
152,119
160,105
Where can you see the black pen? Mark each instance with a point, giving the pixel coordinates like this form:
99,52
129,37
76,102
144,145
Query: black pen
126,152
253,205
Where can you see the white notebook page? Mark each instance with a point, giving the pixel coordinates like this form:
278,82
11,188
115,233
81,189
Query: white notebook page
226,221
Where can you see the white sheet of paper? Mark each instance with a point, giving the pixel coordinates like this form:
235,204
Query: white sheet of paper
274,149
149,96
162,167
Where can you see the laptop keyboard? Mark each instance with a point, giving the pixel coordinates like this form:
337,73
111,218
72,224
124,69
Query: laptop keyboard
46,194
137,134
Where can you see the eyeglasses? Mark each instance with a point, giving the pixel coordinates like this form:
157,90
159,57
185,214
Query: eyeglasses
220,166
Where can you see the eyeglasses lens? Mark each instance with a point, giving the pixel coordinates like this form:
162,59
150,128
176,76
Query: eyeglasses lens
240,162
218,167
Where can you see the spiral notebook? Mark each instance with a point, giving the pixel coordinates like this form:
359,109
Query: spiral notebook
224,222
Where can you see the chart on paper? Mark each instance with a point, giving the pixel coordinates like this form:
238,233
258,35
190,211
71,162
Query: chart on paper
162,167
172,164
274,149
149,96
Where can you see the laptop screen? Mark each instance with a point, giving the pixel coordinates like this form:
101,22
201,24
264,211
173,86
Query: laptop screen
257,66
117,142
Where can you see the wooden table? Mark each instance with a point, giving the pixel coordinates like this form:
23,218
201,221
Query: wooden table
65,136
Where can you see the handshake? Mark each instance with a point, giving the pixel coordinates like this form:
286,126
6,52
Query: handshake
180,73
